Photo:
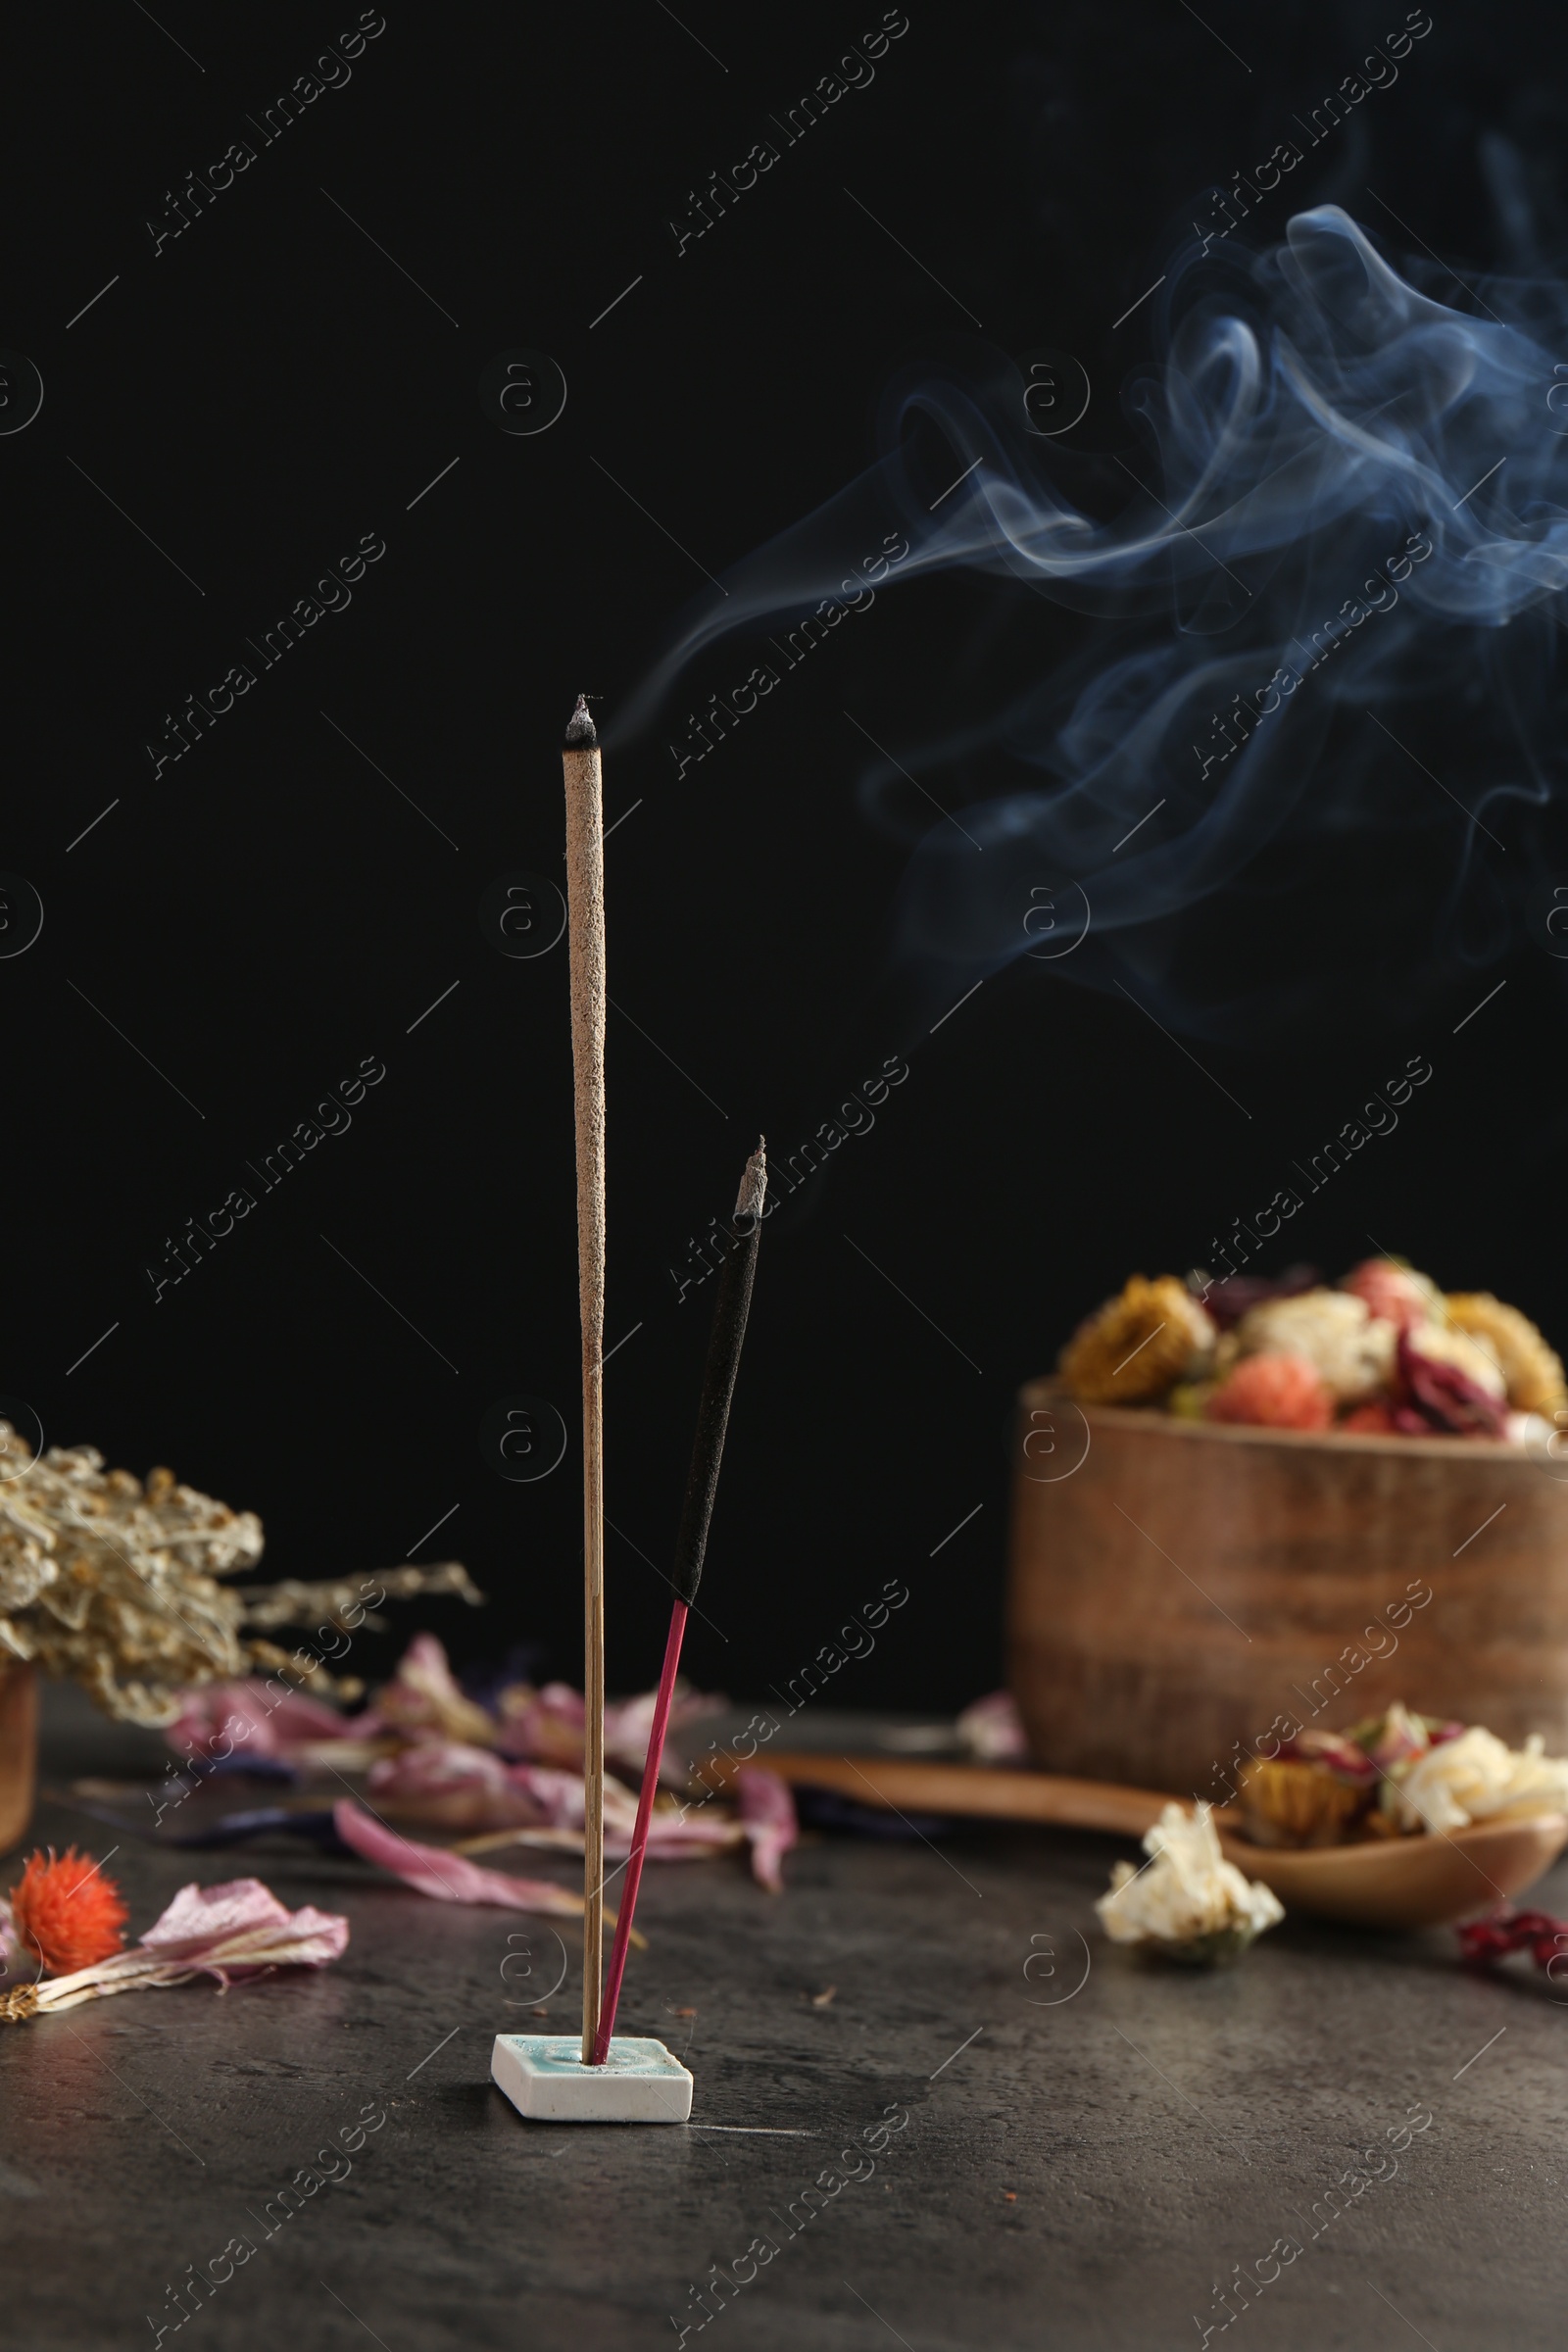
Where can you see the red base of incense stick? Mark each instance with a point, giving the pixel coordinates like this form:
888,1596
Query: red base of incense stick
639,1841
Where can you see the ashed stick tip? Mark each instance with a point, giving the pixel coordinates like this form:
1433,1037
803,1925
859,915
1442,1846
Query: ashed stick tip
581,733
753,1182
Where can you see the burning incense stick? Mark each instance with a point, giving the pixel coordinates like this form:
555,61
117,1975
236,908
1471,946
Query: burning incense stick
585,900
730,1311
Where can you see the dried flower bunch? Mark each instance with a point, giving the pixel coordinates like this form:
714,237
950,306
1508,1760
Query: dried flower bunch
1384,1353
115,1583
1395,1775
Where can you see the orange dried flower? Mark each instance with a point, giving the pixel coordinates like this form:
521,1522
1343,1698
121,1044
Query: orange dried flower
1298,1803
1273,1391
1139,1344
67,1913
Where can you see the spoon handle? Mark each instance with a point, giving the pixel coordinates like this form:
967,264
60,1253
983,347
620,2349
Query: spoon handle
978,1791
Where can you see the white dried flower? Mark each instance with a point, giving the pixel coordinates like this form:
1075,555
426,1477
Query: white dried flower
1476,1778
1351,1350
1188,1902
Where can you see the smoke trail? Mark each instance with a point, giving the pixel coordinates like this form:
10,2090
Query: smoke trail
1328,593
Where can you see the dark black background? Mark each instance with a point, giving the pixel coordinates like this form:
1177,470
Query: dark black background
270,911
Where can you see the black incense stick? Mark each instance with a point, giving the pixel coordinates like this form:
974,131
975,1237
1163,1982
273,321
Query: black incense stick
730,1310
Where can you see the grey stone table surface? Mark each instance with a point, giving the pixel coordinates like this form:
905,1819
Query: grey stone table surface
1078,2156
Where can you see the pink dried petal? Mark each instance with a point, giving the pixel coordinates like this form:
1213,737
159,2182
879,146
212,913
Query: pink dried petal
560,1798
424,1698
1447,1401
992,1728
450,1784
675,1840
241,1924
251,1718
556,1797
548,1724
545,1723
199,1914
1332,1750
629,1722
423,1671
768,1817
433,1766
447,1878
1486,1939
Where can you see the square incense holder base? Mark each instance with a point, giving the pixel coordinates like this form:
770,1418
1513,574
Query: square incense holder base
545,2078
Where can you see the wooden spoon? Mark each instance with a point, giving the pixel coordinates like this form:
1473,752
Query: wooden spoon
1416,1882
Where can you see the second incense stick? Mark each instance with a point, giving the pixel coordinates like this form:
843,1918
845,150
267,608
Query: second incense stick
585,900
730,1310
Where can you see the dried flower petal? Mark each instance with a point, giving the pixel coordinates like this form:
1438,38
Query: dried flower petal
251,1719
1338,1752
241,1926
547,1725
992,1729
1505,1930
629,1723
1437,1398
447,1877
424,1697
768,1817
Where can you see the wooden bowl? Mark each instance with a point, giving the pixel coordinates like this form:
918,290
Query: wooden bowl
1185,1593
18,1751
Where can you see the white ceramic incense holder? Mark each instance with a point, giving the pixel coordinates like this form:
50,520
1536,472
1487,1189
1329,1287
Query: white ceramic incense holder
545,2078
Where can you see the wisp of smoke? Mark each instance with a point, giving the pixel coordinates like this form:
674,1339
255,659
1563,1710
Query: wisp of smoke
1325,603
